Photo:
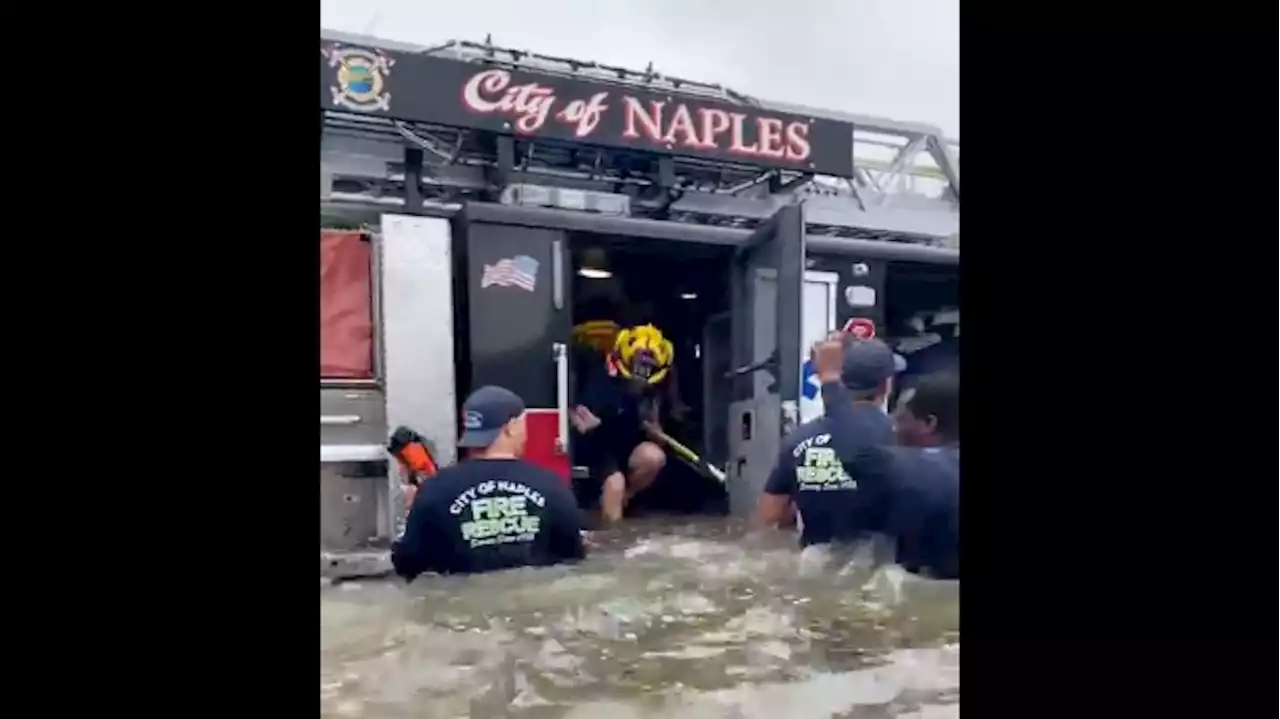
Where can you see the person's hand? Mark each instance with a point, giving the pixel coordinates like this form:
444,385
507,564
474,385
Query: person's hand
649,412
410,492
828,356
653,429
583,420
680,411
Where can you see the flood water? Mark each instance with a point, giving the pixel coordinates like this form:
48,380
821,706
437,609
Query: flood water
675,619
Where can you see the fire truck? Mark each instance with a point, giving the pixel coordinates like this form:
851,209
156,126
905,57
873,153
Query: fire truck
477,200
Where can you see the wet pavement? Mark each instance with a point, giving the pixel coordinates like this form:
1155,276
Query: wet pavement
674,619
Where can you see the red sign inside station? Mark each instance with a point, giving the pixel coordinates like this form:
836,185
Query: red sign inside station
860,327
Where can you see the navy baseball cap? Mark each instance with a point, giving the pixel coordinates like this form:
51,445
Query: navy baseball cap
867,363
485,413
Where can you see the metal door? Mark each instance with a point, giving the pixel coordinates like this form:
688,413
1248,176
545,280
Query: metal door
717,392
520,322
766,334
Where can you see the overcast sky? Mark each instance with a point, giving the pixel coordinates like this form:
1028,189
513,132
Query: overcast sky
891,58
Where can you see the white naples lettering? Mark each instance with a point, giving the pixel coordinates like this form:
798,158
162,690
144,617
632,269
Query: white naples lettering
462,500
522,489
818,440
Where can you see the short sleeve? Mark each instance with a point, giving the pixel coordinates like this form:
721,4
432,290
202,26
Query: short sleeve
418,550
565,518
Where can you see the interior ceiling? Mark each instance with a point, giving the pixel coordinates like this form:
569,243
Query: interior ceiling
922,272
617,246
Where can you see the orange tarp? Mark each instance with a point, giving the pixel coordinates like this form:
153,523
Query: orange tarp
346,306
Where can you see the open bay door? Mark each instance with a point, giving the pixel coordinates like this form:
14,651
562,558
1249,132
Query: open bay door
766,334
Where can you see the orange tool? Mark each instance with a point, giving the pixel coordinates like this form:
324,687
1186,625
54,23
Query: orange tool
413,452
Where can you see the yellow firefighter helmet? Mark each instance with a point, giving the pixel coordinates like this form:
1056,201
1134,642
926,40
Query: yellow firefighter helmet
642,353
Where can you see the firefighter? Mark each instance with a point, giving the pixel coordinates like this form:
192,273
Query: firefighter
909,492
830,489
925,516
619,411
493,510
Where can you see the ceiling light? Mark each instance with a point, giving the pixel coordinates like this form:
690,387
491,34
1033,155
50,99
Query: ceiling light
688,295
593,264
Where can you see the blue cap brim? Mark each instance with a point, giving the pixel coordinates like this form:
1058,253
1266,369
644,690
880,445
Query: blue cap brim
479,437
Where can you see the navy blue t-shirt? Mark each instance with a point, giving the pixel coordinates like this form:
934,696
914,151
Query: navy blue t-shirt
924,516
622,411
834,497
486,514
916,490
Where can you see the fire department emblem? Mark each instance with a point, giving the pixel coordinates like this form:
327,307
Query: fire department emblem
362,78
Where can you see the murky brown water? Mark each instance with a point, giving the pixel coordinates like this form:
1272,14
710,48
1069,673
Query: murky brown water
667,619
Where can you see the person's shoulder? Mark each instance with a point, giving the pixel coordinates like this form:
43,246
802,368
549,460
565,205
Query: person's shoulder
806,431
598,383
530,473
942,459
545,482
871,422
450,479
877,424
873,415
931,471
471,471
461,471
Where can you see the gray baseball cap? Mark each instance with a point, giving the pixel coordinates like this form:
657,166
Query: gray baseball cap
867,363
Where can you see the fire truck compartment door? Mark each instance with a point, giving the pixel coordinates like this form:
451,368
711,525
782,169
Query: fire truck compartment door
767,293
520,321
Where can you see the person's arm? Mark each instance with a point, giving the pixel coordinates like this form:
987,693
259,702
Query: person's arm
414,552
945,535
924,519
774,505
842,420
856,451
595,442
406,551
675,407
566,520
597,398
940,532
929,543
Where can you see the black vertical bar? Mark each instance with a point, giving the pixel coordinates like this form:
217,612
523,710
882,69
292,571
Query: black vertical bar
326,186
668,185
506,151
788,243
667,173
413,180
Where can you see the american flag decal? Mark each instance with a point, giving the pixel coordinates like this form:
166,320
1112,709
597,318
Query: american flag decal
519,271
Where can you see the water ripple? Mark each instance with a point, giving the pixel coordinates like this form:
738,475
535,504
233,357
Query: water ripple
693,619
